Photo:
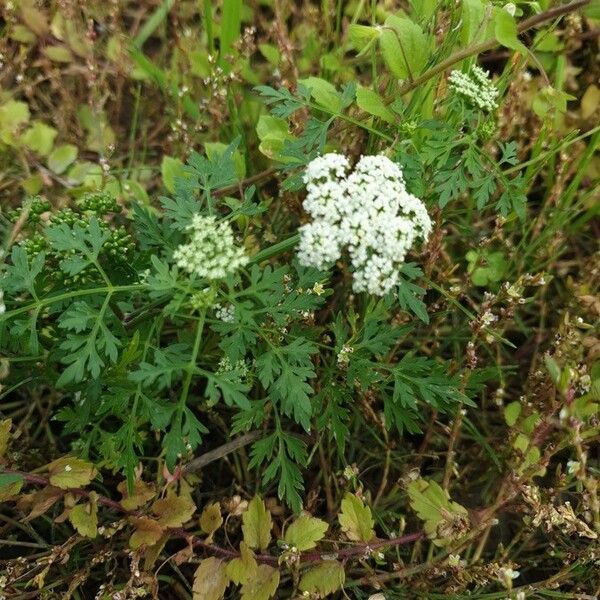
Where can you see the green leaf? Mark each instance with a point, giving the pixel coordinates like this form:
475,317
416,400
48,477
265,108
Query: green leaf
210,580
324,93
261,585
473,14
61,157
445,521
362,37
356,519
230,25
10,485
404,46
241,569
170,168
84,517
505,30
372,103
305,532
5,426
39,138
512,412
256,524
323,580
216,149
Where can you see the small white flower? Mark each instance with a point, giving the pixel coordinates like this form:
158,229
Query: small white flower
475,87
510,8
225,313
573,467
211,252
367,212
68,468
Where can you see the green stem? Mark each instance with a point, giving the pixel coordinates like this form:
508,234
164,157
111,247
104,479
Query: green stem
191,367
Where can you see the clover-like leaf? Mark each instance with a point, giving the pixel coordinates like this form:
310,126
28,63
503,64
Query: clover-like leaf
256,524
70,472
305,532
356,519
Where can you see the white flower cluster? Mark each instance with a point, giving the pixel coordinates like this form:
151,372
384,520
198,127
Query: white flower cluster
368,212
475,87
211,252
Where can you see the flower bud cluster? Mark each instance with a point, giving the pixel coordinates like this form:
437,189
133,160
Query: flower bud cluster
211,252
368,212
475,87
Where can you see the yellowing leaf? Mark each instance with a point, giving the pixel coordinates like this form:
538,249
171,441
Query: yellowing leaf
10,485
5,426
590,101
70,472
323,580
356,519
305,532
211,519
174,511
256,524
84,517
142,492
60,54
210,580
262,585
147,532
445,521
243,568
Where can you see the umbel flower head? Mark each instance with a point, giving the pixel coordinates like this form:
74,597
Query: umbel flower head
368,212
211,252
475,87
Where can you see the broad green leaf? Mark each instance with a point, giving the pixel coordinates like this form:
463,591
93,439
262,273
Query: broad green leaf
241,569
404,46
356,519
39,138
372,103
84,517
256,524
230,25
61,157
211,520
473,26
324,93
170,168
505,30
12,115
512,412
262,585
305,532
210,580
362,37
70,472
323,580
424,9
